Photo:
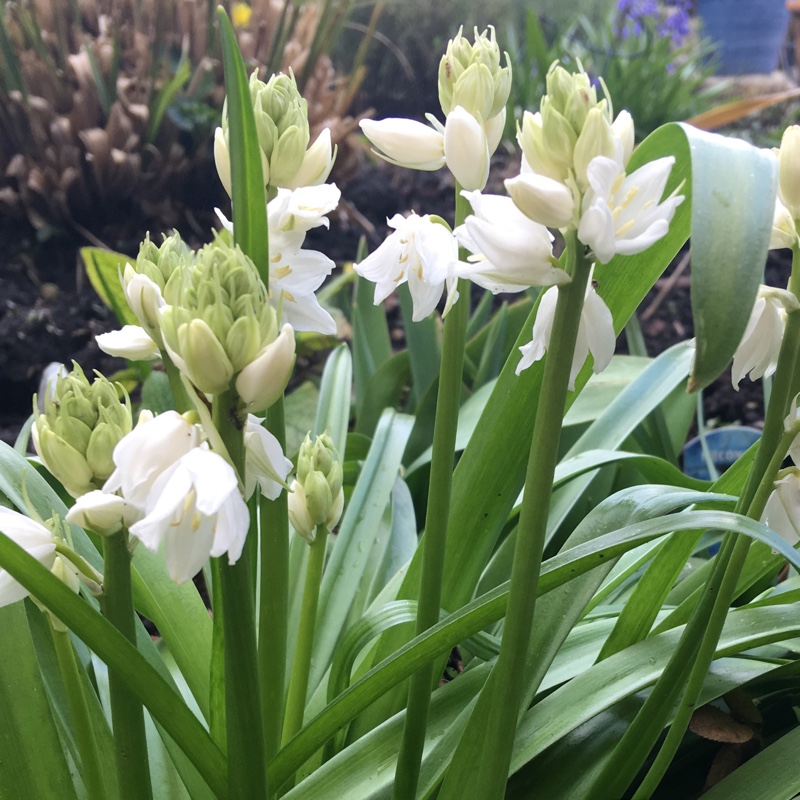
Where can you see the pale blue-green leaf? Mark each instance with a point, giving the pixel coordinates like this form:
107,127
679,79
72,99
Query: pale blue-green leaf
301,414
356,534
335,393
384,389
32,761
733,199
156,393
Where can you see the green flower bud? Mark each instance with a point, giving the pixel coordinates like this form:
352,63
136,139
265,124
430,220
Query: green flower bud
218,319
81,425
597,139
158,263
470,76
317,493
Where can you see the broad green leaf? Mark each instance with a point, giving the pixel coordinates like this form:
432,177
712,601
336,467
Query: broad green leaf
769,775
156,393
103,268
181,618
383,390
734,186
423,340
249,198
348,561
32,761
372,346
489,608
163,702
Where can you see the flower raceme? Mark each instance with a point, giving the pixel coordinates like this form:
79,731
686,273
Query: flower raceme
473,91
595,333
420,252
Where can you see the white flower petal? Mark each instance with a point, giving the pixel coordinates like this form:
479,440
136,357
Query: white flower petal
131,342
406,142
466,149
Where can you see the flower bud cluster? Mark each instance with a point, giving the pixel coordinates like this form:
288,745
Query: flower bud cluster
217,323
281,116
81,425
470,76
317,497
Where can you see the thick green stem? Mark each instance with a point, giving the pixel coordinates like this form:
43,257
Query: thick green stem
301,665
273,600
690,662
247,775
127,714
507,681
75,690
437,515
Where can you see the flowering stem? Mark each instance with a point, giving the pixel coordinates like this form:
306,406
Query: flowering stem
127,714
695,652
182,401
301,665
437,515
75,690
245,736
507,681
273,600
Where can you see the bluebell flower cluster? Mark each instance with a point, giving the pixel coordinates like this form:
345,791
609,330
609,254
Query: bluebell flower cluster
669,19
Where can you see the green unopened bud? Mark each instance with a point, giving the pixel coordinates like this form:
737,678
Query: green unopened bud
158,263
281,116
558,136
470,76
218,319
79,428
319,477
573,96
597,139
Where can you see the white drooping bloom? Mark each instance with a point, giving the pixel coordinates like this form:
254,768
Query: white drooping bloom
102,512
265,463
195,510
464,144
150,449
542,199
784,230
295,274
131,342
757,353
623,214
32,537
145,300
420,252
782,511
595,333
510,251
264,379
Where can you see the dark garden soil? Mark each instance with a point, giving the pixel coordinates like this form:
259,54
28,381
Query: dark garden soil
49,312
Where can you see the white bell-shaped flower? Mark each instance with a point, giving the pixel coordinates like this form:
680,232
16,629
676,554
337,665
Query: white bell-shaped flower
265,463
194,510
420,252
595,333
32,537
757,353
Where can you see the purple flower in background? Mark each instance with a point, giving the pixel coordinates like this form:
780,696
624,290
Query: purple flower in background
670,20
